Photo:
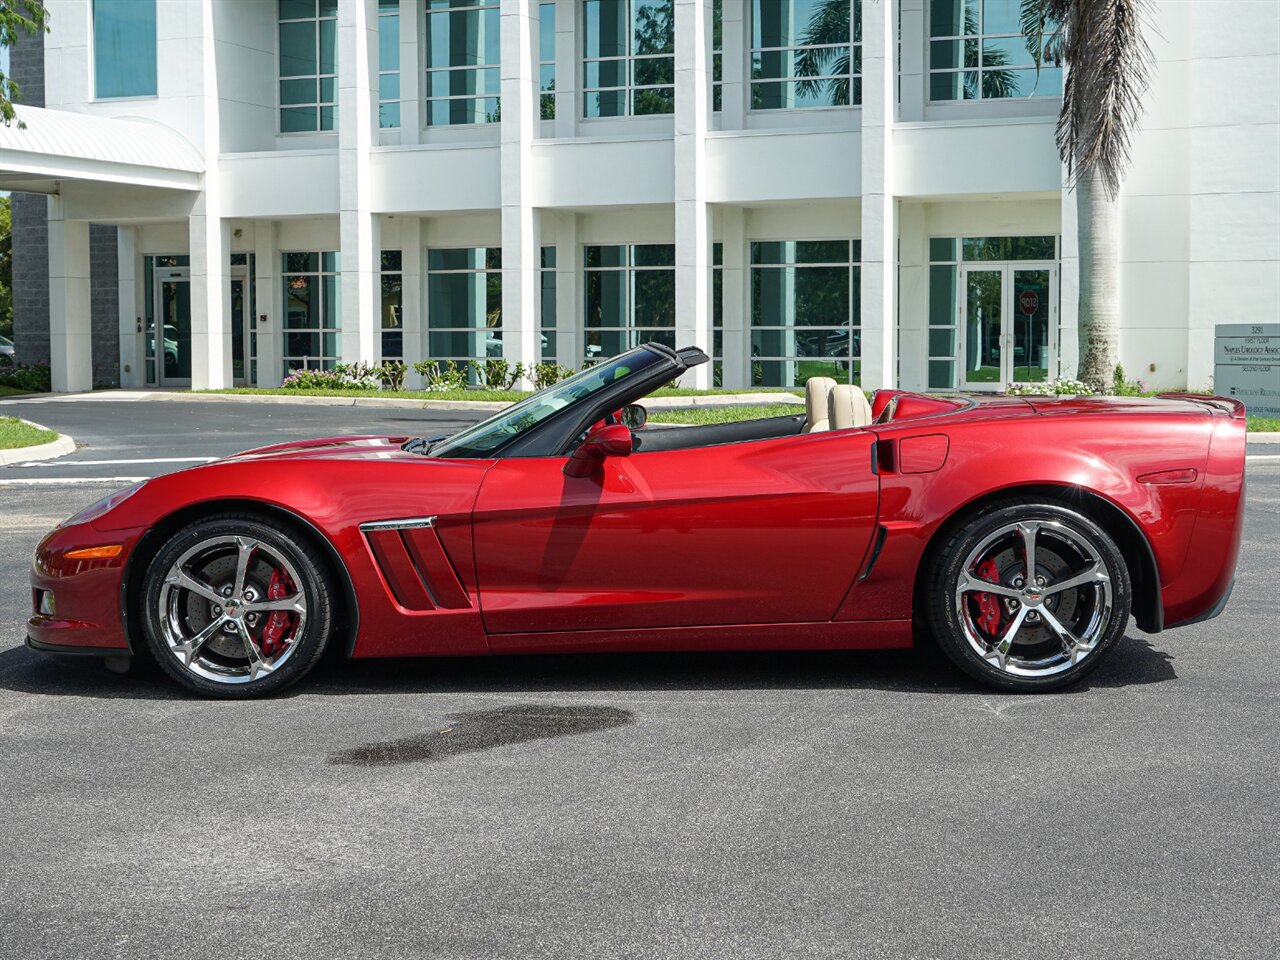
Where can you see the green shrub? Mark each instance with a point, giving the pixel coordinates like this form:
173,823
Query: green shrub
441,375
1061,387
33,378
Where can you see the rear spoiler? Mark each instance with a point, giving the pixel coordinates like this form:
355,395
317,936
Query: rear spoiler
1228,405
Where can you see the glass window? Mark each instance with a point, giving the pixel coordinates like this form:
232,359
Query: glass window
547,60
977,52
717,314
628,58
806,53
392,311
1009,248
312,311
547,350
805,315
462,62
124,48
308,65
464,304
388,63
943,312
630,297
717,54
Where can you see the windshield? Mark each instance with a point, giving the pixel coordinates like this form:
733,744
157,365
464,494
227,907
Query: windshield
488,435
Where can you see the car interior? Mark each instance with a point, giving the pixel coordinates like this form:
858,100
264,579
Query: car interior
828,405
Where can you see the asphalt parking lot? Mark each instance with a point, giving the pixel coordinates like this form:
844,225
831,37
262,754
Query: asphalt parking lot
765,805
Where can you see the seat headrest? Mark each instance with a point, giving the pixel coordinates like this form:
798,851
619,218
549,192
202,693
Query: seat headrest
848,407
816,414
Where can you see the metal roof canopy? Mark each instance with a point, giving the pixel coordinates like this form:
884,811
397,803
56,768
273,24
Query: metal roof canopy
58,145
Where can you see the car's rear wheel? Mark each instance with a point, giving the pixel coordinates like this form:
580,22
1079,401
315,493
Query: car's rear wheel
1029,596
235,606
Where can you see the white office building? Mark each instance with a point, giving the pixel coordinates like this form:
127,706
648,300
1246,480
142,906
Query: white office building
867,189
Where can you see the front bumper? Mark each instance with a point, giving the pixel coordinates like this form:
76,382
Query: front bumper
87,594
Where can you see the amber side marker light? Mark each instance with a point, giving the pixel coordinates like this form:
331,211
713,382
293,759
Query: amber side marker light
95,553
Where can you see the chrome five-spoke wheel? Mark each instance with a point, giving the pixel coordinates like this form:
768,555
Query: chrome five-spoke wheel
236,605
1030,595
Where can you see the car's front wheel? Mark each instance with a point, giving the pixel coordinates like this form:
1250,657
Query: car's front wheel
1029,596
234,606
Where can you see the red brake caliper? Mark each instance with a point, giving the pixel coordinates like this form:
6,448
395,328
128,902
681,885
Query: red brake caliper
988,603
277,621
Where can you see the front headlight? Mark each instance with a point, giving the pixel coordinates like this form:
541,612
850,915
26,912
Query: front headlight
104,505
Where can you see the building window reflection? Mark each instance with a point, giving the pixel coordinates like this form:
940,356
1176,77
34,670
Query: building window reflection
124,48
308,65
312,325
977,52
628,58
462,58
630,297
391,312
805,314
806,53
547,61
464,304
388,63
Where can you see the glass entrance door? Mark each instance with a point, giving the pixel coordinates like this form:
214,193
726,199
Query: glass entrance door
173,329
1032,300
1009,323
984,296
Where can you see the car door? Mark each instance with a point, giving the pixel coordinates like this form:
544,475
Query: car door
770,531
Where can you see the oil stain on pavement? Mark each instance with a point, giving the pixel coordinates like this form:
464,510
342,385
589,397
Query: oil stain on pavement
478,730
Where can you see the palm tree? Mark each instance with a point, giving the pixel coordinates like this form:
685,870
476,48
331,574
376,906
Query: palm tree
1109,68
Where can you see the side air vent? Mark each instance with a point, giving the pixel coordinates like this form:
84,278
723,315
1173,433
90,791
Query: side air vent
413,563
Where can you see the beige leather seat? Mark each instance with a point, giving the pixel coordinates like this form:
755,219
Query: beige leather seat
817,407
847,407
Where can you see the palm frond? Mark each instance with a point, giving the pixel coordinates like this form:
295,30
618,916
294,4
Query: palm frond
1109,65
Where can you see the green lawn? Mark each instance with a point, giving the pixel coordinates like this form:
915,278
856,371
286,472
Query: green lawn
10,391
1264,424
700,415
14,433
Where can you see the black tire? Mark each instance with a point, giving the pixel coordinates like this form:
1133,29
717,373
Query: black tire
1075,546
274,549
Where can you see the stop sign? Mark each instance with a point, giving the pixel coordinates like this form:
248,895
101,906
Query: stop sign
1029,302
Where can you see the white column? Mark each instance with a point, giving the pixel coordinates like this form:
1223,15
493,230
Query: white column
269,297
693,222
411,296
1068,286
736,279
879,267
132,357
569,310
209,245
568,65
519,236
734,42
70,331
911,68
913,297
209,237
411,66
359,228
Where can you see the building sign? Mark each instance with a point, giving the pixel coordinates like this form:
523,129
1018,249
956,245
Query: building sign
1246,365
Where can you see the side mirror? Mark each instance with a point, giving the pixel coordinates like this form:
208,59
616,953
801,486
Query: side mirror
633,416
612,440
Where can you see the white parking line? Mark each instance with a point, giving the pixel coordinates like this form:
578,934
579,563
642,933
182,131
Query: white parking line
65,481
108,463
1256,457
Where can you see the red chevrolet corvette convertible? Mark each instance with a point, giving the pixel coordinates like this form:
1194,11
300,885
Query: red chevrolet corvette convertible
1021,532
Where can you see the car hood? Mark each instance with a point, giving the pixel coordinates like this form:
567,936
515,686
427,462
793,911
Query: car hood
330,448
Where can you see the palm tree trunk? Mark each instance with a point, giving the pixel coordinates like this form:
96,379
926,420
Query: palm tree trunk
1098,216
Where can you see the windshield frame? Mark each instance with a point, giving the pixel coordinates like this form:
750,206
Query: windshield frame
640,367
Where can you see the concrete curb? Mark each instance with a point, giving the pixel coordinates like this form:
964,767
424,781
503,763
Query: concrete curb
44,451
1262,437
